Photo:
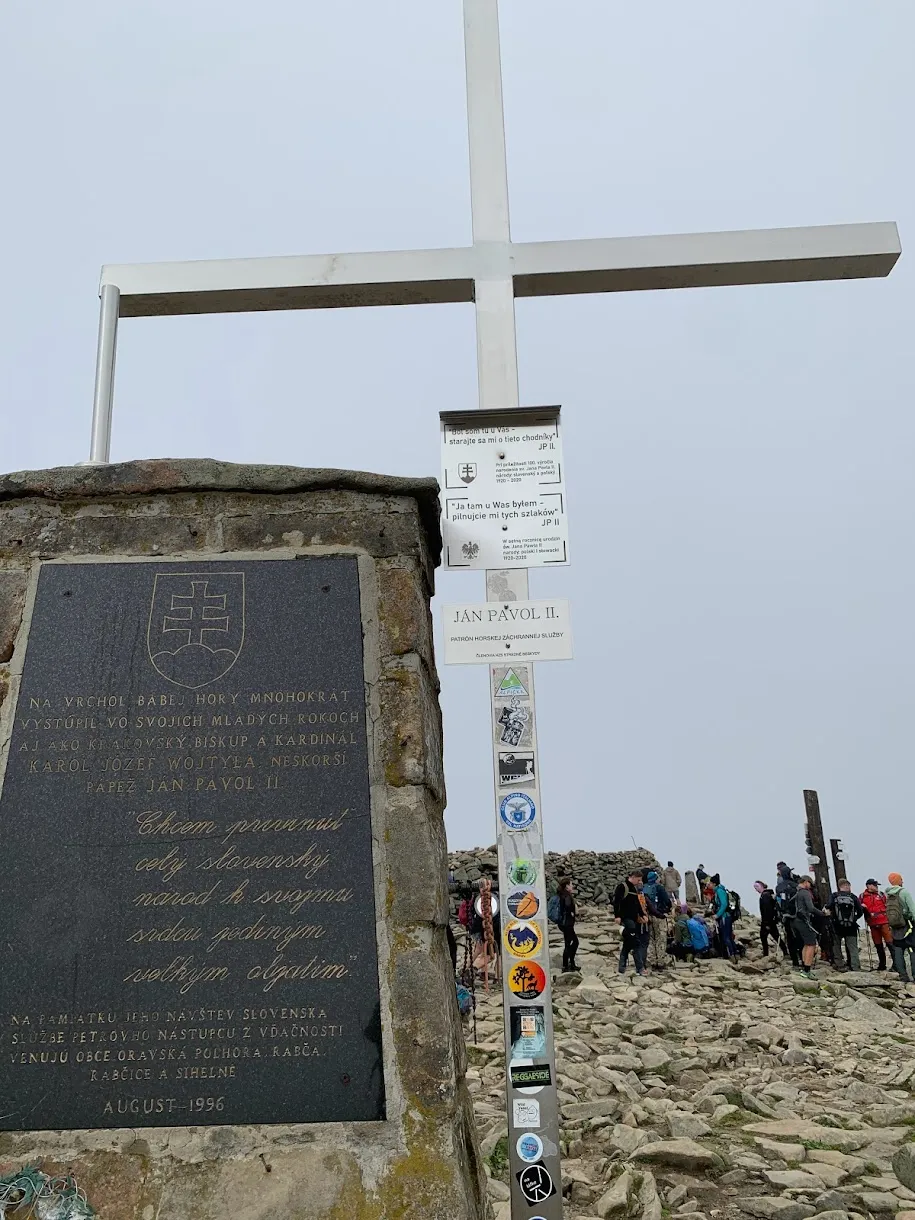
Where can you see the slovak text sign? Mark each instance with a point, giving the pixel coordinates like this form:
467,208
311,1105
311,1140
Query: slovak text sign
498,631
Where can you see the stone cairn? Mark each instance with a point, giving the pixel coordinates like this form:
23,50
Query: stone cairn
596,873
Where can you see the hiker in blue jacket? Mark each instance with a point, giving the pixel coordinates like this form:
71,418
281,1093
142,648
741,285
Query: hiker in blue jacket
723,918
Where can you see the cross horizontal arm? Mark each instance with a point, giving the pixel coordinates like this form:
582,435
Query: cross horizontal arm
423,277
700,260
312,281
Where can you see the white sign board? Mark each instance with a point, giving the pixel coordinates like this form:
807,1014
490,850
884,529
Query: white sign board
507,631
503,494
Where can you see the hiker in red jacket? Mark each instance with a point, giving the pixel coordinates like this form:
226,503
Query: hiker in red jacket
874,904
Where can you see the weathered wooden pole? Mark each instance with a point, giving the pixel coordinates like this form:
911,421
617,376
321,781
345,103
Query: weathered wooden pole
816,845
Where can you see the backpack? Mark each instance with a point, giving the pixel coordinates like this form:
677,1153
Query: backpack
789,904
733,905
465,1000
843,910
554,910
662,901
464,913
895,913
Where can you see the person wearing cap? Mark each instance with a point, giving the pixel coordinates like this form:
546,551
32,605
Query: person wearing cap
874,904
631,910
900,914
803,924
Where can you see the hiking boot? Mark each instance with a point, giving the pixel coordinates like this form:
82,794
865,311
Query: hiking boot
808,974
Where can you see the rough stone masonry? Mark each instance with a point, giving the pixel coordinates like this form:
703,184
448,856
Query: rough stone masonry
422,1161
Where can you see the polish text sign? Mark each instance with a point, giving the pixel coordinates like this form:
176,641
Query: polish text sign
492,632
503,491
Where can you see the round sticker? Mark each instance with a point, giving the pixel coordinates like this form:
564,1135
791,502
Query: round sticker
523,903
530,1147
522,938
527,980
517,811
493,905
522,872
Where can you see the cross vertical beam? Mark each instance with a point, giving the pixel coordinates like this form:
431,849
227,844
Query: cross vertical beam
497,374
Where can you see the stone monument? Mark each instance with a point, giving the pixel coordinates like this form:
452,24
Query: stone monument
224,982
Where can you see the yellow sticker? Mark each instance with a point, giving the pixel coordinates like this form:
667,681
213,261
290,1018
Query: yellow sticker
523,938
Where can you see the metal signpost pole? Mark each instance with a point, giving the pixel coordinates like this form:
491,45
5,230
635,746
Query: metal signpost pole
532,1111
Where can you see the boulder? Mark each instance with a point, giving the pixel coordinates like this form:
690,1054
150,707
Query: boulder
904,1165
679,1154
804,1131
773,1207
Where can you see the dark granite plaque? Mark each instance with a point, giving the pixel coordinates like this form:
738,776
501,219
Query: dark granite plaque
186,895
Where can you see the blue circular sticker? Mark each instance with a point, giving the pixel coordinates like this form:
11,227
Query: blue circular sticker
517,811
530,1147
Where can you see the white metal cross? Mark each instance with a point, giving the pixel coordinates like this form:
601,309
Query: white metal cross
491,272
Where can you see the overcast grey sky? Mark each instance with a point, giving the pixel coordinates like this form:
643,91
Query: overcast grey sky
739,460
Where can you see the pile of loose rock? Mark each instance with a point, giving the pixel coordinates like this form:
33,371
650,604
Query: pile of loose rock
711,1092
596,873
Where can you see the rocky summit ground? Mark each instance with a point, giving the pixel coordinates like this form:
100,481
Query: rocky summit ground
711,1091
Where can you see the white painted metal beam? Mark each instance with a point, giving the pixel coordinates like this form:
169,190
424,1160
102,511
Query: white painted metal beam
423,277
697,260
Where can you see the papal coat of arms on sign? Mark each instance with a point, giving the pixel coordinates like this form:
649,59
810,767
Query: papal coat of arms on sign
196,625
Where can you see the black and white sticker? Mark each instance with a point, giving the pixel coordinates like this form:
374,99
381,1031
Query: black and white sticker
535,1183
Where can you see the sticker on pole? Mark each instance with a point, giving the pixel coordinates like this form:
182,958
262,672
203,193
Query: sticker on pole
525,1113
522,872
528,1033
516,767
522,904
517,811
503,495
536,1184
511,684
529,1077
530,1147
523,939
527,980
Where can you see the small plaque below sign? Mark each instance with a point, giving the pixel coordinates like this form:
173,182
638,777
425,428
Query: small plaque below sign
497,631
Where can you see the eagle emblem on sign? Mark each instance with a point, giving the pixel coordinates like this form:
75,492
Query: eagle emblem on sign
196,625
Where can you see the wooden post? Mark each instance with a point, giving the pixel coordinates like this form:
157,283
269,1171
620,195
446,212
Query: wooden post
838,860
816,845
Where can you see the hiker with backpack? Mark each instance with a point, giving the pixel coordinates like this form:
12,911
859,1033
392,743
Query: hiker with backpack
786,897
561,910
803,922
659,907
874,904
769,920
724,917
900,914
846,909
631,910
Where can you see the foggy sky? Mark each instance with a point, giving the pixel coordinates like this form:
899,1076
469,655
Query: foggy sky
738,460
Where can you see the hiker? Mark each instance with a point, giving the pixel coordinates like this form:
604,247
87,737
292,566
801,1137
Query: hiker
724,918
680,942
846,909
769,921
566,894
900,914
672,882
659,907
701,877
698,933
803,924
786,897
823,925
631,910
874,904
